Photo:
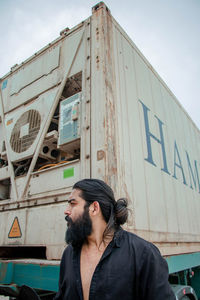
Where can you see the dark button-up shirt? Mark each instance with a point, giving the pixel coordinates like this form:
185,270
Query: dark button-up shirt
129,269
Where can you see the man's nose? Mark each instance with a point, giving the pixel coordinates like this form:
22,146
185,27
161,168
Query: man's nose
67,211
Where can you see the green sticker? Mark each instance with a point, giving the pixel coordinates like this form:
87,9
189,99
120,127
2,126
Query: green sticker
68,173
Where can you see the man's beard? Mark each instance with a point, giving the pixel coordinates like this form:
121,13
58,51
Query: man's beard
78,231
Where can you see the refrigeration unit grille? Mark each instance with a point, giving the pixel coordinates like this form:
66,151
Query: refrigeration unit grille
25,131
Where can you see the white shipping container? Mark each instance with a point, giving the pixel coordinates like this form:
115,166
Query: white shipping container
133,133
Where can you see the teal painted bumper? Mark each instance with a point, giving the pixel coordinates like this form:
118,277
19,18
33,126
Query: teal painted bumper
37,276
182,262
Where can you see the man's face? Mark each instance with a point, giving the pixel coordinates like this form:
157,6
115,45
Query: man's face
78,220
75,205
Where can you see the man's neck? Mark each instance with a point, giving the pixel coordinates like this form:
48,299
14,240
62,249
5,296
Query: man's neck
98,240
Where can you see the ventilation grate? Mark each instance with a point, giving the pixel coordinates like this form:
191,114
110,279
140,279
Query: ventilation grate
25,131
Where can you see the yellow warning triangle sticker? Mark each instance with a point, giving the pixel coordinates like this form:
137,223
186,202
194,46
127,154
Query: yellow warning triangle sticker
15,230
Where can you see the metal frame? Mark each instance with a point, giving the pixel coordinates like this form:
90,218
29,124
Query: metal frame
36,275
182,262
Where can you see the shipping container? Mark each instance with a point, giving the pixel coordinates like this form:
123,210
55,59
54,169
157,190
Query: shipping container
89,105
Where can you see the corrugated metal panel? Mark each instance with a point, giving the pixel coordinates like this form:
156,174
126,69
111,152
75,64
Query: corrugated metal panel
58,178
41,66
46,188
103,134
165,208
43,71
31,221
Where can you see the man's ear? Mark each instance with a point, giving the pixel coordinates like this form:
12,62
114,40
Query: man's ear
94,208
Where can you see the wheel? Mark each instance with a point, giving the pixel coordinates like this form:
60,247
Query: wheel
26,292
185,298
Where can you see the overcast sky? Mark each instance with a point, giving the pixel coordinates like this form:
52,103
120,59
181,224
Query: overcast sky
167,32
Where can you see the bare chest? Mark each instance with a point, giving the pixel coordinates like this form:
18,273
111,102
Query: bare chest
89,261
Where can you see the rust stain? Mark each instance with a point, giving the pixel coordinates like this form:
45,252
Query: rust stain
99,170
9,122
97,61
104,123
110,128
104,58
100,154
114,170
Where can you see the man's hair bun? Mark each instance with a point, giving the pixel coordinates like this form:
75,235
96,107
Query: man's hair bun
121,211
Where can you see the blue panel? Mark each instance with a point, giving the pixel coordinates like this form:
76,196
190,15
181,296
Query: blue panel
4,84
179,263
37,276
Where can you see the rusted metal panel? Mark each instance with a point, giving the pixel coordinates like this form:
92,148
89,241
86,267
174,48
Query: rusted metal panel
103,97
53,233
158,151
41,66
46,189
31,221
43,71
85,167
139,138
59,177
19,186
98,121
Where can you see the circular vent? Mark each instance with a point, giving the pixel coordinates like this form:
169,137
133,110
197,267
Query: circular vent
25,131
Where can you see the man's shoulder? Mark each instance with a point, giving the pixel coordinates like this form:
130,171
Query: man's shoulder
68,251
138,242
134,237
68,248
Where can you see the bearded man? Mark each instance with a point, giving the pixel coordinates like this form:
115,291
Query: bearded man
102,261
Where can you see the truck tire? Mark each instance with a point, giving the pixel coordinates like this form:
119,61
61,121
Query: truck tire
27,293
